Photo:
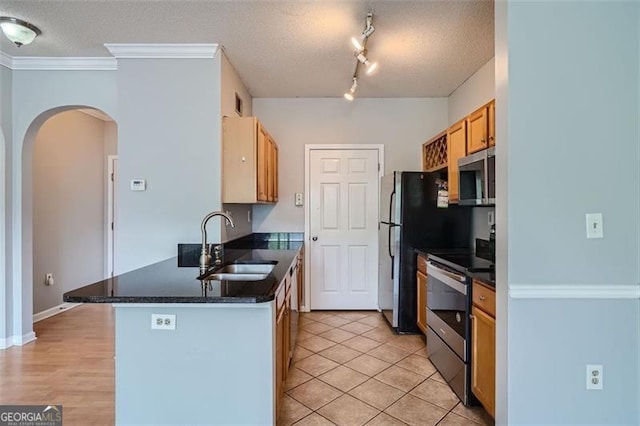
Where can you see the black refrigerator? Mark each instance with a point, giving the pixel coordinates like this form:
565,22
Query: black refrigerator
410,219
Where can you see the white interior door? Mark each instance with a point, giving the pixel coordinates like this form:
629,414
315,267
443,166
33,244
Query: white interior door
343,228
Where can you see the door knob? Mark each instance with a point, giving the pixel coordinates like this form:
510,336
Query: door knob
314,238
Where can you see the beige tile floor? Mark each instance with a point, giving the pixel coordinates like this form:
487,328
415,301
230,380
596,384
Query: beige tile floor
350,369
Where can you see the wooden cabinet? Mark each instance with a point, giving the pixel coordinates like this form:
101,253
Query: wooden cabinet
483,346
249,162
272,171
280,370
456,149
491,134
434,153
421,280
284,327
481,128
477,129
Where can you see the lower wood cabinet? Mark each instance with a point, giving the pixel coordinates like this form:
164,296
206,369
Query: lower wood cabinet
483,347
421,280
284,331
279,360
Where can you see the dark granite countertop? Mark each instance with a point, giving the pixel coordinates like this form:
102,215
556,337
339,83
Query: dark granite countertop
488,278
175,280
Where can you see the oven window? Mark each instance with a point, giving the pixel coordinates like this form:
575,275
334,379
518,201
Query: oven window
448,304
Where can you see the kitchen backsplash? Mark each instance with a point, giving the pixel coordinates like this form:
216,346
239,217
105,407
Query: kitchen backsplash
480,223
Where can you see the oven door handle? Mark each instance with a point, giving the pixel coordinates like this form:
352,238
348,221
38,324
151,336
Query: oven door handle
451,275
454,281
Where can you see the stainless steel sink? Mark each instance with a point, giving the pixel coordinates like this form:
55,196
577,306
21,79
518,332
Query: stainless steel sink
247,268
241,272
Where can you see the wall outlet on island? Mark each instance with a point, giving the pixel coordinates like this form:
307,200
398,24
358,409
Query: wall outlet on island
48,279
594,377
163,322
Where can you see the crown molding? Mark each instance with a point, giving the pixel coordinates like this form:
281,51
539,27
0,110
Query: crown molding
602,291
6,60
30,63
162,51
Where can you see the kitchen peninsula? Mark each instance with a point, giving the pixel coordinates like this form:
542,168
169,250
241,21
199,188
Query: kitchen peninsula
226,358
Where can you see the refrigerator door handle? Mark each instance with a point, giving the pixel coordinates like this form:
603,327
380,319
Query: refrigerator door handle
393,194
390,254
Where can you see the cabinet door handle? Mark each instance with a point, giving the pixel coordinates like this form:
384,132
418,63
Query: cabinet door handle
472,316
482,297
482,140
314,238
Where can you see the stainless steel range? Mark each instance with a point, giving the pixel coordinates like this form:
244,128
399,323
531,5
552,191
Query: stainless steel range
448,323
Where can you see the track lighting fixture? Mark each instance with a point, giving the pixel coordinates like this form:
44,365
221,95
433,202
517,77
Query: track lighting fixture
349,95
360,44
18,31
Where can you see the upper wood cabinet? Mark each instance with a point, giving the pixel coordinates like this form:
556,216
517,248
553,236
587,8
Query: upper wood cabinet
481,125
492,123
434,153
457,148
249,162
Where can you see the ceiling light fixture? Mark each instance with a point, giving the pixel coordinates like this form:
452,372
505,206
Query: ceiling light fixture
349,95
360,45
18,31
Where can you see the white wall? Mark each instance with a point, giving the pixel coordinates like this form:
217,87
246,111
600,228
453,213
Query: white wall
68,205
169,133
5,214
230,85
401,125
476,91
37,95
579,78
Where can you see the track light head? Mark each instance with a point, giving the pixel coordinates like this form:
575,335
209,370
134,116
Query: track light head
371,67
357,44
368,31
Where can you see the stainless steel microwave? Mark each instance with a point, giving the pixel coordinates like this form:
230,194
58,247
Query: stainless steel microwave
477,178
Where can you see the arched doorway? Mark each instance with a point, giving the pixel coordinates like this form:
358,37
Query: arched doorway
32,212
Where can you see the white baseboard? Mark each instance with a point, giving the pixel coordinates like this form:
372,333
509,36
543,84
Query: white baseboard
17,340
533,291
54,311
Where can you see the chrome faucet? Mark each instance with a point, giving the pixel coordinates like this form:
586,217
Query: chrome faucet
205,257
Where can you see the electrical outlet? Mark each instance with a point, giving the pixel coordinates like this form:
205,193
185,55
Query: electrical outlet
163,322
48,279
299,200
594,377
594,225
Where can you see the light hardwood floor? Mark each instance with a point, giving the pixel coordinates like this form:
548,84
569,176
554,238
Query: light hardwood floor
71,363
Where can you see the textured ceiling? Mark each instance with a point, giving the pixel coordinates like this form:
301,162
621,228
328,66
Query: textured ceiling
283,48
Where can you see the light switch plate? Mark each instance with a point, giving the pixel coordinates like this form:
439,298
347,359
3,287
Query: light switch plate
594,225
